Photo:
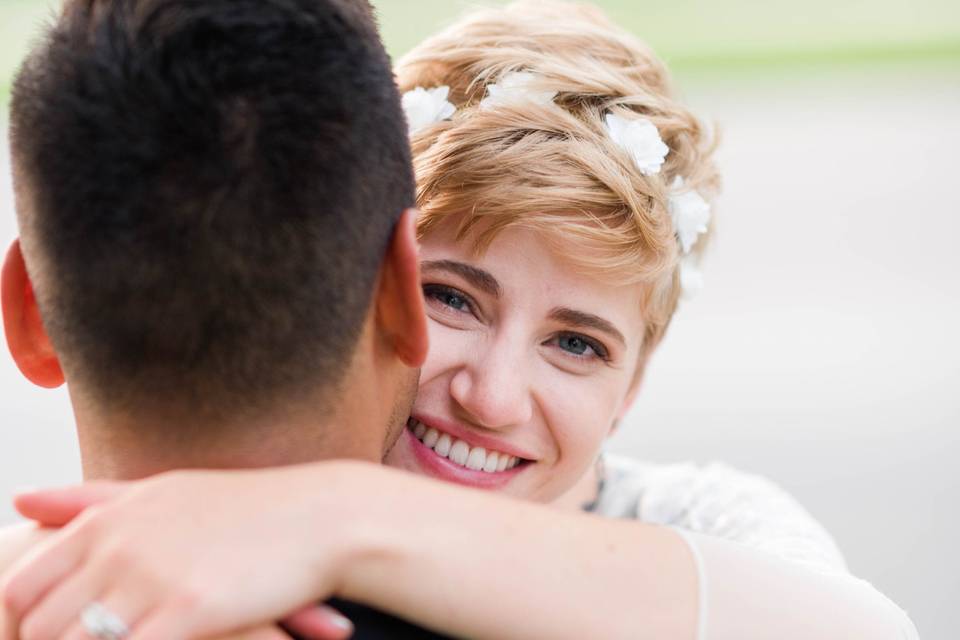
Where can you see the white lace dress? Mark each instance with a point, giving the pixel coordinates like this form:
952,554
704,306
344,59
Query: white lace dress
768,569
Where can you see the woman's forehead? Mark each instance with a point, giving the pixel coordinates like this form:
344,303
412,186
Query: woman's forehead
517,245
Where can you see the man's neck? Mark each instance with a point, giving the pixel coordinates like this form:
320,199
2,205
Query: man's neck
124,447
361,419
107,456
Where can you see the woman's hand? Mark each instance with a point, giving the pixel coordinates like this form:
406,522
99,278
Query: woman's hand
241,549
261,633
315,623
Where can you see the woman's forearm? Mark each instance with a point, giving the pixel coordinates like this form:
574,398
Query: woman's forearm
483,566
479,565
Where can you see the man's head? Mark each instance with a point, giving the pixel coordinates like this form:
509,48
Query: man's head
206,193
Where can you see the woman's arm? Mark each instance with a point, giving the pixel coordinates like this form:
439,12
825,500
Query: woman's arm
482,566
479,565
205,553
461,561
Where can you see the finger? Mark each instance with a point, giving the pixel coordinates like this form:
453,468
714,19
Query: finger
129,609
162,626
165,623
8,627
321,622
57,507
37,572
261,633
54,612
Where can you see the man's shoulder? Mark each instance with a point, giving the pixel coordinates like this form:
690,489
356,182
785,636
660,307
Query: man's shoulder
16,540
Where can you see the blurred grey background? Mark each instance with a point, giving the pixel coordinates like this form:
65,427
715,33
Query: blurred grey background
823,351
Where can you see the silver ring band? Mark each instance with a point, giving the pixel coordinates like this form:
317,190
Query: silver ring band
103,624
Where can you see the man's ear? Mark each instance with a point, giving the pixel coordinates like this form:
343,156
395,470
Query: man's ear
401,313
26,337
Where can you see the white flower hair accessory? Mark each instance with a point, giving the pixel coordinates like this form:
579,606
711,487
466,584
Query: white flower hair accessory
641,139
690,214
516,87
425,107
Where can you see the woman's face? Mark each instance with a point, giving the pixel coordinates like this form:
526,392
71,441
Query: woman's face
530,364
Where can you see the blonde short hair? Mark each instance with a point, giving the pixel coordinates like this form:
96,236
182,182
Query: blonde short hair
553,167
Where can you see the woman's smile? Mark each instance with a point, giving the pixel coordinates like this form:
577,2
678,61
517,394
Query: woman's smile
445,455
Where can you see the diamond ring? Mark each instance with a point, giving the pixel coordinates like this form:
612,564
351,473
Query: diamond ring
103,624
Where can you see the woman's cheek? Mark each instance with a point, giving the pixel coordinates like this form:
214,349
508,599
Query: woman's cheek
579,418
448,347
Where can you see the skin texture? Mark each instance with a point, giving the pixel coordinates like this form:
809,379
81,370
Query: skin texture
512,372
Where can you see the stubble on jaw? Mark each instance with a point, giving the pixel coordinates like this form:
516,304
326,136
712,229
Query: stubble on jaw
406,394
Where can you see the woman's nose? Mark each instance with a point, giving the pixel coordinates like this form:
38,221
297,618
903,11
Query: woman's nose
493,391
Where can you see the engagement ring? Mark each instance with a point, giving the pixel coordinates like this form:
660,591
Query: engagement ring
103,624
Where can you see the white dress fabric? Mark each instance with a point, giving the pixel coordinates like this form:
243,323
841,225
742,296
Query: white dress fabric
767,569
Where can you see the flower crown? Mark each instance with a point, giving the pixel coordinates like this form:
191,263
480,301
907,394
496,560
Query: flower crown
639,137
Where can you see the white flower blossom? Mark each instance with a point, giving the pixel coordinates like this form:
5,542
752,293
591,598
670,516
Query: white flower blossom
691,278
516,87
640,138
690,214
425,107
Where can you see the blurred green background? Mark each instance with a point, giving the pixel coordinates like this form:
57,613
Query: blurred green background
694,36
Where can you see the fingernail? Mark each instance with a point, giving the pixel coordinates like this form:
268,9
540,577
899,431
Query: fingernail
341,622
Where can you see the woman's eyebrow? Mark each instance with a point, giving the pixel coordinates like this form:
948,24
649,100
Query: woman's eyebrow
588,321
479,278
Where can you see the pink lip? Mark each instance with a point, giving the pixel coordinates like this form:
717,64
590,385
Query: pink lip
444,469
472,438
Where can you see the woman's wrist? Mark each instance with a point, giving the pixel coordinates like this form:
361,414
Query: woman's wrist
427,550
368,520
403,533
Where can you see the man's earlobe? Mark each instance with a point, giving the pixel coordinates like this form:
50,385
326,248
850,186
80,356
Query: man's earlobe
26,337
400,308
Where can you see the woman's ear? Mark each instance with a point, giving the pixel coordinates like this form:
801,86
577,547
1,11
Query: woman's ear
401,312
28,341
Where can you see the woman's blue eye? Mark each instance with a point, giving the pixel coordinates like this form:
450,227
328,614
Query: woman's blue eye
574,344
453,300
448,297
580,346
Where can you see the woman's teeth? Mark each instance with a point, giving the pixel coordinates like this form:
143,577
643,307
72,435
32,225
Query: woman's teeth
458,451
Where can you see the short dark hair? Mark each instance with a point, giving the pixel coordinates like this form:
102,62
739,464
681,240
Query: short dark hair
213,187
